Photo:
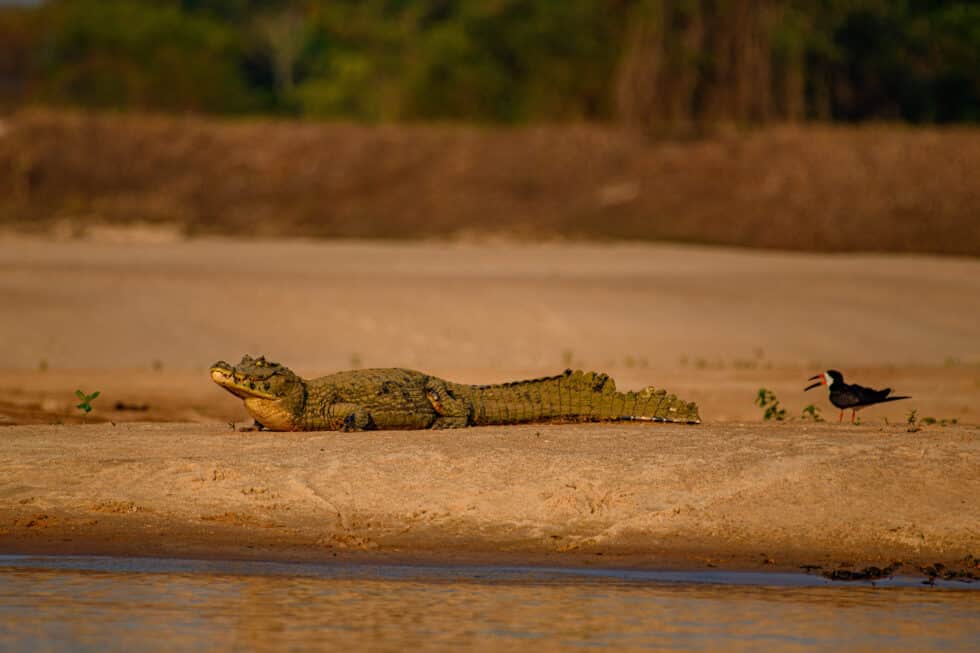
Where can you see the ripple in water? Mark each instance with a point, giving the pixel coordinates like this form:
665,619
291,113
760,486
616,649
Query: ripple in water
129,604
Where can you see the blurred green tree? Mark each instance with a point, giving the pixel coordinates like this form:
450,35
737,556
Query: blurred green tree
514,60
665,65
119,54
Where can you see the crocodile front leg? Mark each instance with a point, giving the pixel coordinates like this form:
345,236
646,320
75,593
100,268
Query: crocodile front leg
454,413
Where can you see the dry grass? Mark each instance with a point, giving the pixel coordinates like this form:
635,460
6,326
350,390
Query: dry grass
879,188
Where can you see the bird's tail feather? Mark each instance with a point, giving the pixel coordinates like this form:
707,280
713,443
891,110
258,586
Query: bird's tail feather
892,399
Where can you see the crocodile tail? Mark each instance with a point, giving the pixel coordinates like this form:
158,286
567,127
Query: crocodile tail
577,396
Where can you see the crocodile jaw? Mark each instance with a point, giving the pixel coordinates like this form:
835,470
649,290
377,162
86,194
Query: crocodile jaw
266,409
271,414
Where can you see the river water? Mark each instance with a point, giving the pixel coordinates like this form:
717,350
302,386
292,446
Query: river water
141,604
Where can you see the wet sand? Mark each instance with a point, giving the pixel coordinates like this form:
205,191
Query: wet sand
141,322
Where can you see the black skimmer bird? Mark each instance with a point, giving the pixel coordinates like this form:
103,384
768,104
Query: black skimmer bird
847,395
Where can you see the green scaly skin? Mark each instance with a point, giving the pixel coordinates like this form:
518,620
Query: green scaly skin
396,398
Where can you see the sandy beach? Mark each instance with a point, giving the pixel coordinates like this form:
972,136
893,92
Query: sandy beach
731,496
158,467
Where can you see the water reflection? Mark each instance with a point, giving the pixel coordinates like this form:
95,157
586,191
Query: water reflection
117,604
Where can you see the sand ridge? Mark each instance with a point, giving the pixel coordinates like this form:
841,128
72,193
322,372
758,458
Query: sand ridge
724,495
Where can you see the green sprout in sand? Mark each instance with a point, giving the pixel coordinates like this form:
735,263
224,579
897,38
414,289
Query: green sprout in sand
812,413
86,404
767,400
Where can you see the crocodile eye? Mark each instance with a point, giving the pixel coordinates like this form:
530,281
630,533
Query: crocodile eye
266,386
252,385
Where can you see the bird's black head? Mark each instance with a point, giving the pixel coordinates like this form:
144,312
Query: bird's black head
830,377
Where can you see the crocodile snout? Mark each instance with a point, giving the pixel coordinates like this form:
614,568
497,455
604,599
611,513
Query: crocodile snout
222,371
218,374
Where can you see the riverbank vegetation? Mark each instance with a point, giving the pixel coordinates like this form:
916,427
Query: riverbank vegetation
677,66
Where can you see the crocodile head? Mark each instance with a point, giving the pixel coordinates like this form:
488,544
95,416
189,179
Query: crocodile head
273,394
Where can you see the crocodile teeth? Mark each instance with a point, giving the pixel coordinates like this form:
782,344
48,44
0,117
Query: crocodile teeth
218,375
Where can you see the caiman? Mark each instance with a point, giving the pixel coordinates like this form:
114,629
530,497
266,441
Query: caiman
395,398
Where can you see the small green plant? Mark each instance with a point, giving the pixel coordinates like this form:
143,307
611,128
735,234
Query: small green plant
928,421
767,400
811,413
87,400
912,422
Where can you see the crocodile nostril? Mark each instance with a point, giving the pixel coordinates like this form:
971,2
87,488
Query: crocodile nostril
266,386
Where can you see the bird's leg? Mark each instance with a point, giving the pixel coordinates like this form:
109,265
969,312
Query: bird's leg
841,420
853,413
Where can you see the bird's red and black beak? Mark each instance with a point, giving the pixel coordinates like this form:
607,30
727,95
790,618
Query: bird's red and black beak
820,380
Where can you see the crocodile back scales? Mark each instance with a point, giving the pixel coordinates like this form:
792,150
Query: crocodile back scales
573,396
